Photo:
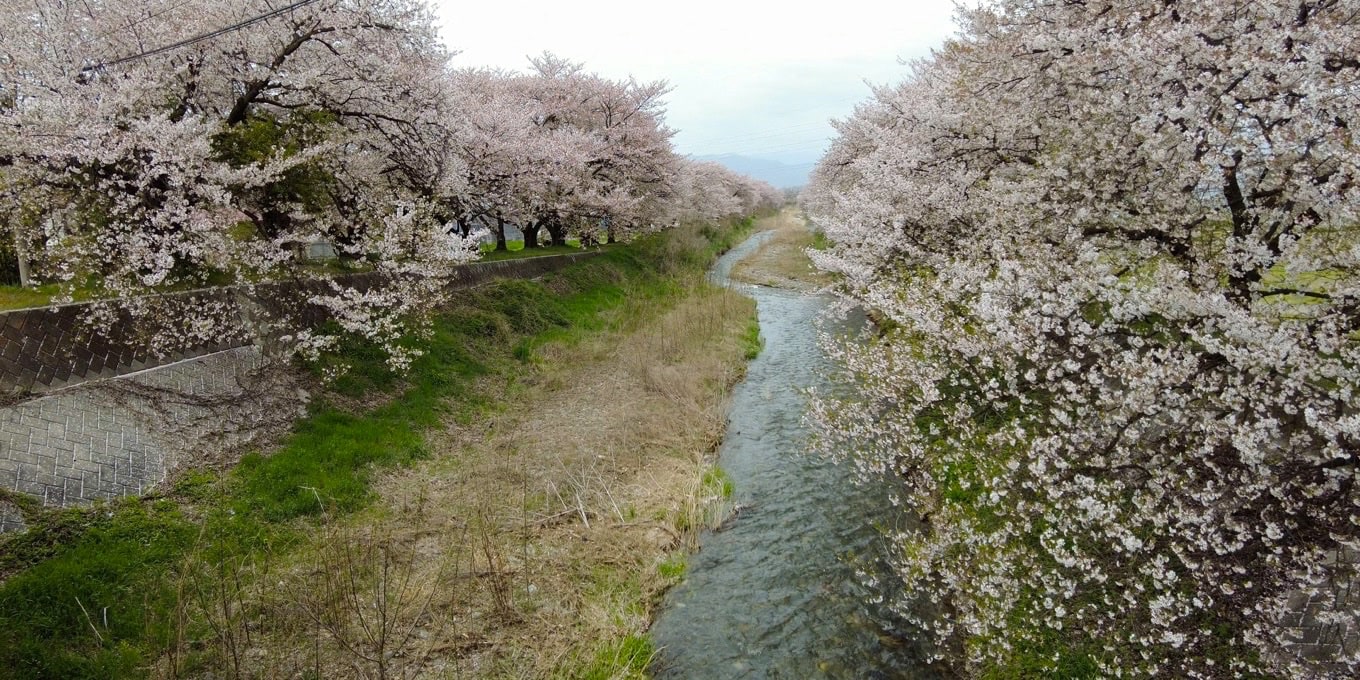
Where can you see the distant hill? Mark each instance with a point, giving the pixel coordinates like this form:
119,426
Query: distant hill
782,175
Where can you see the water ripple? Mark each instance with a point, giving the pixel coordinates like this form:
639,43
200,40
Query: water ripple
775,595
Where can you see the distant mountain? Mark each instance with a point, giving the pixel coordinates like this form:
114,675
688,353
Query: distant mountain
781,174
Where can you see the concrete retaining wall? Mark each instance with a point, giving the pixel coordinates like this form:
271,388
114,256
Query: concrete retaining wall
100,417
120,437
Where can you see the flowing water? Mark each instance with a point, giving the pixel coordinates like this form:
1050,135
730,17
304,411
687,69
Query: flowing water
775,593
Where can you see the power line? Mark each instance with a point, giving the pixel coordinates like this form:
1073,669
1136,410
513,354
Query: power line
134,24
202,37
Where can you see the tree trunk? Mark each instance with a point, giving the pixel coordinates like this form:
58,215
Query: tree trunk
531,234
558,232
500,233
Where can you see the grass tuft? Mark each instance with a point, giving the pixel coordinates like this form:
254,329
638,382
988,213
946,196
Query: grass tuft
752,340
625,659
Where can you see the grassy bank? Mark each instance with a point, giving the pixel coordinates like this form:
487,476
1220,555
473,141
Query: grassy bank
14,297
515,250
389,539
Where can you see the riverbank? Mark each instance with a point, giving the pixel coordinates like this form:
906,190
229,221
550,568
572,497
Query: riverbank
781,261
516,507
536,541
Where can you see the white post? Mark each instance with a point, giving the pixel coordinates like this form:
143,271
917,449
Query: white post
21,254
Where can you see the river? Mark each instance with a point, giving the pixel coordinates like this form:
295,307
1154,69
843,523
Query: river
775,593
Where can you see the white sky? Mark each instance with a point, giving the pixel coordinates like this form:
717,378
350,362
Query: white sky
748,78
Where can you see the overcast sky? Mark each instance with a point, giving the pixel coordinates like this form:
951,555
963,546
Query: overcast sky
747,79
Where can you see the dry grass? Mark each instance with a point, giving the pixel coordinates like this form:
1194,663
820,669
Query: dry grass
529,545
782,261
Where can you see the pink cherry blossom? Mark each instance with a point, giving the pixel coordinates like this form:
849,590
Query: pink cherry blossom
1111,251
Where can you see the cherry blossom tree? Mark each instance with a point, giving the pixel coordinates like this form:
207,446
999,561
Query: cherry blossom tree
604,150
705,191
494,144
1111,250
140,169
157,145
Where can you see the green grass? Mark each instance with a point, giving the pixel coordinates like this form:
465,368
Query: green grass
1322,281
752,341
674,567
820,241
92,593
716,482
619,590
19,297
624,659
516,250
92,608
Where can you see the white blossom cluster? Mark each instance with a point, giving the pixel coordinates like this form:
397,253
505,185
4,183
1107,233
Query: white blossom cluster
1112,251
127,170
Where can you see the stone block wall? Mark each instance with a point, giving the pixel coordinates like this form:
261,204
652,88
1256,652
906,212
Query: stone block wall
52,347
104,440
1322,626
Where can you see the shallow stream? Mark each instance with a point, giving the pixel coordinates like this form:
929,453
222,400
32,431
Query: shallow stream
775,593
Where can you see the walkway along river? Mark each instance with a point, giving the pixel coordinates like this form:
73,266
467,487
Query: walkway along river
775,593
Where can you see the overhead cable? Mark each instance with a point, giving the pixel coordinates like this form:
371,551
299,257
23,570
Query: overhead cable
201,37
